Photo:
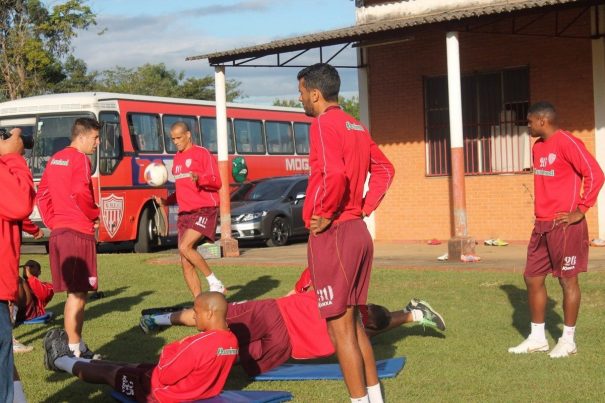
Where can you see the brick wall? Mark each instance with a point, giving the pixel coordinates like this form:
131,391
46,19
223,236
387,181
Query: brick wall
418,207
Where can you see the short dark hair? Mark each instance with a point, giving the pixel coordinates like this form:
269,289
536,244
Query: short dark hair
322,77
83,125
34,267
543,108
378,317
180,124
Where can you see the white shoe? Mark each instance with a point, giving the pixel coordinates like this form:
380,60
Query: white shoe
218,287
530,345
564,348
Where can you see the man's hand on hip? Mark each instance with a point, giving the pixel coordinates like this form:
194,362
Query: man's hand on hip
319,224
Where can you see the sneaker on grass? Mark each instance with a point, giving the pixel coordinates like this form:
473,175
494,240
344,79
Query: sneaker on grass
55,346
530,345
564,348
148,325
19,347
89,354
430,317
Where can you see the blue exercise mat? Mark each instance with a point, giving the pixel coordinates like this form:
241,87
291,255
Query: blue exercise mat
229,396
388,368
47,317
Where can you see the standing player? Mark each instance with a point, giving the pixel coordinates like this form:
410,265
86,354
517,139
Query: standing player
193,368
197,184
567,180
340,248
66,203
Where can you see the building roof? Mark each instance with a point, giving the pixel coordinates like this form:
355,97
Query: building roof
375,29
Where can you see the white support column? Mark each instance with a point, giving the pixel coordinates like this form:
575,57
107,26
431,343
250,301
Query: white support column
221,113
598,79
364,117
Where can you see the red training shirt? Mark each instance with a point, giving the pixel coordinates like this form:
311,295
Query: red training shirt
195,367
307,330
15,205
561,164
43,293
342,153
65,197
192,195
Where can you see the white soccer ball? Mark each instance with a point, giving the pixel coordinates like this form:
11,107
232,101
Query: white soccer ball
156,174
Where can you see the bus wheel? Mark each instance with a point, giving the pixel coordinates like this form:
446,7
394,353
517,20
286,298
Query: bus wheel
280,232
146,234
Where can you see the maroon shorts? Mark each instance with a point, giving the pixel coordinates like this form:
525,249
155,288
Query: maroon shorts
135,382
557,249
202,221
73,260
261,333
340,262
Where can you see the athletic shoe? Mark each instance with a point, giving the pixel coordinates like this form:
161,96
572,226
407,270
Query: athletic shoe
488,242
443,257
530,345
148,325
19,347
469,258
499,242
55,346
89,355
430,317
564,348
164,309
218,287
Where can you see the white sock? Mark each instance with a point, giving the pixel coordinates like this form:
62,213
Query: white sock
18,394
363,399
537,331
417,315
375,394
212,279
569,333
75,348
162,319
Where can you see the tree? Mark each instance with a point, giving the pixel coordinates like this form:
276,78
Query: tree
75,77
288,103
33,39
349,105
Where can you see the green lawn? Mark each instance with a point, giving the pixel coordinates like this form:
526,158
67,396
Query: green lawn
485,314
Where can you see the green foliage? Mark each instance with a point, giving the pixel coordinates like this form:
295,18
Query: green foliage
289,103
349,105
33,39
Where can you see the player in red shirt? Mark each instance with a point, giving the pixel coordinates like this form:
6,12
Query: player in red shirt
567,180
193,368
66,203
197,182
340,250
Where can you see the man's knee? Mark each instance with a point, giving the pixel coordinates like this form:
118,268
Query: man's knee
569,283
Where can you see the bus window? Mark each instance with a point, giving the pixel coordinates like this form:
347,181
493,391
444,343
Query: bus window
169,120
110,142
249,136
145,131
301,136
279,137
209,134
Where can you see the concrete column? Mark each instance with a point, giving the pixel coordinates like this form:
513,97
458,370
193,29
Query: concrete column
598,79
460,243
229,245
364,117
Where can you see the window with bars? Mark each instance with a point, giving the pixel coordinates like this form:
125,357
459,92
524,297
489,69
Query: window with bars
494,111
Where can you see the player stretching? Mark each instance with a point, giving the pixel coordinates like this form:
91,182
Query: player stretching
197,184
340,248
567,180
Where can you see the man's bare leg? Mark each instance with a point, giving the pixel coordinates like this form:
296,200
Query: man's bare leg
74,316
195,260
571,300
537,297
191,277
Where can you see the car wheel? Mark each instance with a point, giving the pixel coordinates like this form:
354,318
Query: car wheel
280,232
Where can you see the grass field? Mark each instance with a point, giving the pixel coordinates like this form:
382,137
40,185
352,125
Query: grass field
485,314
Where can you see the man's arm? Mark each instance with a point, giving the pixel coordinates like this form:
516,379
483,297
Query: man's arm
44,203
43,291
18,188
381,177
210,179
82,189
32,229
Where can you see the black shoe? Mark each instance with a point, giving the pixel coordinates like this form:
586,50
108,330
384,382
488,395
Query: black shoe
55,346
90,355
165,309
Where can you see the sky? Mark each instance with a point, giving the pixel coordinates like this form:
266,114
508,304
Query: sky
131,33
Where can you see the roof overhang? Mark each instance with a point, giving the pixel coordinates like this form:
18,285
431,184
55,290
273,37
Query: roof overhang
387,31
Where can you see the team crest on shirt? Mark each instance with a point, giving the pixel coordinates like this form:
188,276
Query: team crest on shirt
188,162
551,158
112,207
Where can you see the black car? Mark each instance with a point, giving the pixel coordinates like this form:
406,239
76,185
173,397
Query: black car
269,209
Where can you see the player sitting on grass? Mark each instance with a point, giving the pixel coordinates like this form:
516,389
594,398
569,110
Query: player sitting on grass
271,331
193,368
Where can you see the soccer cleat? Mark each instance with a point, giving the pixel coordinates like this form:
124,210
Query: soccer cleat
148,325
430,317
564,348
218,287
530,345
19,347
55,346
89,354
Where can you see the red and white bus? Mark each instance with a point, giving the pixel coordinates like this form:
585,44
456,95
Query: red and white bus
263,141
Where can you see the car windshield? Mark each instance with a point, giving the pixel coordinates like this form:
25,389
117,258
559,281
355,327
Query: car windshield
264,190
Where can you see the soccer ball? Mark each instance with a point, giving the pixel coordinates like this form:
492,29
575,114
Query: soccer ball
156,174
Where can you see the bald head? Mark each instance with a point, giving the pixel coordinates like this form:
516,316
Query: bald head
212,301
210,311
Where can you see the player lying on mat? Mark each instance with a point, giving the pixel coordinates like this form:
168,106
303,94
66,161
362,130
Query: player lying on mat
193,368
271,331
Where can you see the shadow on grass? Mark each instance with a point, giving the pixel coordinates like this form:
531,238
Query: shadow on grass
252,290
521,319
